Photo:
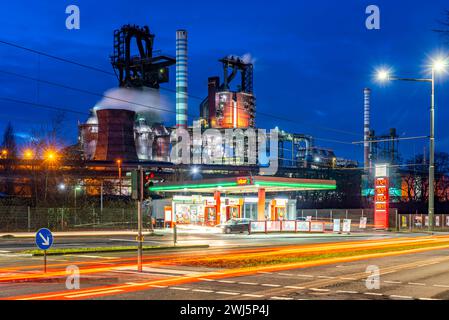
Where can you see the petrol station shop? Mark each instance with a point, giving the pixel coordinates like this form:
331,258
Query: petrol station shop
213,201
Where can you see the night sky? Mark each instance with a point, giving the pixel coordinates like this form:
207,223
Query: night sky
312,61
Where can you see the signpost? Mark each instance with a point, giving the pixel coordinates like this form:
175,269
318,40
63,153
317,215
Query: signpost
137,193
44,240
336,226
363,221
346,226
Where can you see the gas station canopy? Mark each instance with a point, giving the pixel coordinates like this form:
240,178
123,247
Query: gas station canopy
236,185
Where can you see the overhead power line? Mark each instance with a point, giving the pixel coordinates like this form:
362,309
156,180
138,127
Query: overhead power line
44,106
272,116
392,139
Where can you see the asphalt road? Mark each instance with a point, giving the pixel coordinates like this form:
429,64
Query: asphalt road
214,240
421,275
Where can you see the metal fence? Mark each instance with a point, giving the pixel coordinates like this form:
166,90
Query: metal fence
65,219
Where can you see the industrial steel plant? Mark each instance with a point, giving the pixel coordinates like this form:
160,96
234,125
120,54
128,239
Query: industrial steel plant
254,154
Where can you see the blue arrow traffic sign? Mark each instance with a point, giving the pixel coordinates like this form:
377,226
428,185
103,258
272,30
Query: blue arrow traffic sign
44,239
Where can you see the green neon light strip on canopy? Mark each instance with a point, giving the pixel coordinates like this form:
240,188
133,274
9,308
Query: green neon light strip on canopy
296,185
195,186
234,184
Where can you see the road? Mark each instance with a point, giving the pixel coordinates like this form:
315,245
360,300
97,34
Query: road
184,238
420,275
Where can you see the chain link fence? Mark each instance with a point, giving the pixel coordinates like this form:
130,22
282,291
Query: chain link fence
68,219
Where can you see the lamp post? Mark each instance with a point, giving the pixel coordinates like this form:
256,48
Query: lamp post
119,166
437,65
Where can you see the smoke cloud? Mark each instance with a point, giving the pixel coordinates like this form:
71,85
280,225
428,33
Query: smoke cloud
138,100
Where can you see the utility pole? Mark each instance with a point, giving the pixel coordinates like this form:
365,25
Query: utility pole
101,196
432,154
139,219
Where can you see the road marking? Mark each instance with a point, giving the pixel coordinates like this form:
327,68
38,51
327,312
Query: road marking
428,264
249,283
156,286
281,298
441,285
373,294
252,295
264,272
202,290
16,255
179,288
347,278
294,287
93,293
391,281
4,251
88,256
400,297
416,284
346,291
285,274
226,281
326,277
270,285
227,292
428,299
319,290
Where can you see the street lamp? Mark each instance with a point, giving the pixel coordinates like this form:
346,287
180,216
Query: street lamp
28,154
119,165
437,65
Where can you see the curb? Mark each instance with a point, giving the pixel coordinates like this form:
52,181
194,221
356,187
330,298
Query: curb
119,250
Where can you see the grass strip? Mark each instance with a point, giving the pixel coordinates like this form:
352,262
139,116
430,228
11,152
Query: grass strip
53,252
292,258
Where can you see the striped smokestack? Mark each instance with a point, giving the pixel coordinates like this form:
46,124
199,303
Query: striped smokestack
181,78
366,125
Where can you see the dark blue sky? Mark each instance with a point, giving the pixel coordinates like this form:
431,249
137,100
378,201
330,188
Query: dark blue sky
312,60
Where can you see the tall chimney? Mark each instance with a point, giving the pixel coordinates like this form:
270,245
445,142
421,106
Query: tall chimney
181,78
366,125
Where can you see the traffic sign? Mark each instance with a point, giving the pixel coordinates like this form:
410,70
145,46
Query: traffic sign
44,239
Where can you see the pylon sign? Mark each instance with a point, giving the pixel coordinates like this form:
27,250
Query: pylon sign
381,197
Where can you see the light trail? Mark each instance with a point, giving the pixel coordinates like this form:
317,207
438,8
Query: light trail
174,259
148,285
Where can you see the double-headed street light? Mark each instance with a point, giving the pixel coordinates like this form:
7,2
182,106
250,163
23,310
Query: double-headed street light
437,65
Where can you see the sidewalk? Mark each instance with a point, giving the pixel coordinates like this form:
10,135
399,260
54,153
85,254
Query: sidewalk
74,234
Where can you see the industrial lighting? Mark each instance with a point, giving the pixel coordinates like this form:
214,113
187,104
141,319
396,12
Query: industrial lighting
50,155
61,186
4,153
195,170
317,159
28,154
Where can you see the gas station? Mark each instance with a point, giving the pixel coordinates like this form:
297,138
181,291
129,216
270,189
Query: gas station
213,201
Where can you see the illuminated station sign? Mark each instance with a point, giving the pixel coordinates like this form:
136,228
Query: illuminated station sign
381,197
